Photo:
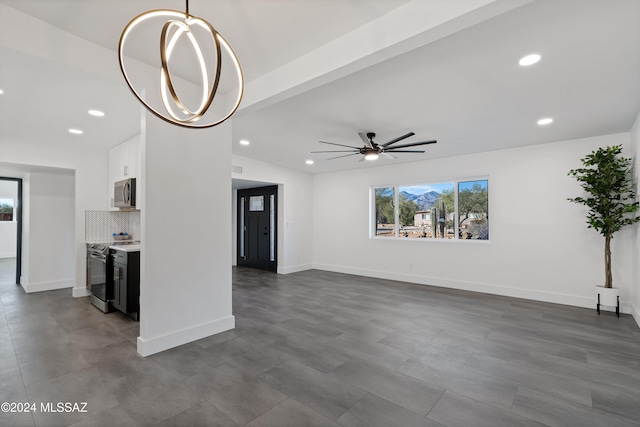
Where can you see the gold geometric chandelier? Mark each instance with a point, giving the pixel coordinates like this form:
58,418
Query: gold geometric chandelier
177,25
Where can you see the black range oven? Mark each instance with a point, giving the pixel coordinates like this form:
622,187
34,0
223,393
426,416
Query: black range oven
99,286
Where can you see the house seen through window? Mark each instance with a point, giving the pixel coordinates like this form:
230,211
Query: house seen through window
6,209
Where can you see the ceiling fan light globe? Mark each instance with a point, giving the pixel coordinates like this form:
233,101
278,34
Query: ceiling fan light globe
371,156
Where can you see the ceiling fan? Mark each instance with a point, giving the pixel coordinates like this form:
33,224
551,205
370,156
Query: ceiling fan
371,150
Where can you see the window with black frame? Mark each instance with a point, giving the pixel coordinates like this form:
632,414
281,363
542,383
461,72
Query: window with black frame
455,210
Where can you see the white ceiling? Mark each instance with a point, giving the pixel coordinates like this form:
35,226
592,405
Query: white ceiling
14,170
264,33
466,90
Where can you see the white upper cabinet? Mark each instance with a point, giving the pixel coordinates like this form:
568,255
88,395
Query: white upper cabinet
131,158
124,163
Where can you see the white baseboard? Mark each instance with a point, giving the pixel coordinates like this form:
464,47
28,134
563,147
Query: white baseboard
635,312
80,292
294,268
487,288
46,286
149,346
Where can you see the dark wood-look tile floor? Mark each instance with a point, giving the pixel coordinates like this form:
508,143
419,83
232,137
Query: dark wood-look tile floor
325,349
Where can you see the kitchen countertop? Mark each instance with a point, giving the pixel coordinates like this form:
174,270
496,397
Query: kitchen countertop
112,242
126,248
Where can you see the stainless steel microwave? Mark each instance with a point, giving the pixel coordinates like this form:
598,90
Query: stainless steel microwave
124,194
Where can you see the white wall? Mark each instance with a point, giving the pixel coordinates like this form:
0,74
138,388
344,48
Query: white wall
635,253
49,220
295,211
8,229
90,166
8,239
88,162
185,284
540,247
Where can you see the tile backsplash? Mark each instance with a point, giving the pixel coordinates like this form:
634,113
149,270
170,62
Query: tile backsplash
100,225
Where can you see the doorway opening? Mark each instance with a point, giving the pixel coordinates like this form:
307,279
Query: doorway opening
258,228
10,230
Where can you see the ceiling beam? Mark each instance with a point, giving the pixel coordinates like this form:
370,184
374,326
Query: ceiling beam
415,24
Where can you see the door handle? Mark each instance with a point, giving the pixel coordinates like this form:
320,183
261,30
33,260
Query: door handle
126,192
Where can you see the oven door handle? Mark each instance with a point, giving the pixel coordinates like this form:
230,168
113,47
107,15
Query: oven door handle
101,258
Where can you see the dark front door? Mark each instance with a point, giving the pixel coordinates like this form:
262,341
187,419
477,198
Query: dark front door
257,230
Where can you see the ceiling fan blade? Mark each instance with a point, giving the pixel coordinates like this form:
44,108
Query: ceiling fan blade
347,155
404,151
400,138
361,159
340,145
337,151
363,137
413,144
388,155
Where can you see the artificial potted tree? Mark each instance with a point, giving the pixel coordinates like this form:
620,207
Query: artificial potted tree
606,179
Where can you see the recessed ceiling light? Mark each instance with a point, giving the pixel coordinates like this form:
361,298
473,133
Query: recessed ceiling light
76,131
545,121
309,162
529,59
244,142
96,113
